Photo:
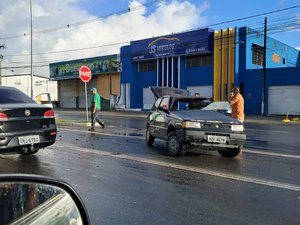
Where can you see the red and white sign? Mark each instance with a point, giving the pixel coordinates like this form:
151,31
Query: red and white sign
85,74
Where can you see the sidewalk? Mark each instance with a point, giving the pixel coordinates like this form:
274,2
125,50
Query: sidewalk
119,113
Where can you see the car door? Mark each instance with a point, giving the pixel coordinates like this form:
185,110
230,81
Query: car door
152,118
162,117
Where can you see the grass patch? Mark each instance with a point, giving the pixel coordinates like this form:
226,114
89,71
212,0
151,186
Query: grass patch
59,120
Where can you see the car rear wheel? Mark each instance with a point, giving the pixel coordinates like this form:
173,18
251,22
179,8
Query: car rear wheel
174,146
149,137
231,152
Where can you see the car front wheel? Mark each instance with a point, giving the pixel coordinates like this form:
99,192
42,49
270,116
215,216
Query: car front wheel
174,146
149,137
231,152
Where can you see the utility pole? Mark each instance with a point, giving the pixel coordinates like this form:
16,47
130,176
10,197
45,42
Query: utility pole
263,97
31,64
1,57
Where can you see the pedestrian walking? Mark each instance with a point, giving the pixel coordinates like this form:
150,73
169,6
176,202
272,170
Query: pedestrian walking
237,104
95,109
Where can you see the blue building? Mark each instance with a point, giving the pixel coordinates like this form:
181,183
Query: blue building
211,63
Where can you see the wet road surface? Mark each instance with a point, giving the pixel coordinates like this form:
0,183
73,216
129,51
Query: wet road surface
122,181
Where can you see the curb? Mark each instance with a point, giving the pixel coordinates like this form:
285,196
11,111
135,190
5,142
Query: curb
72,124
277,120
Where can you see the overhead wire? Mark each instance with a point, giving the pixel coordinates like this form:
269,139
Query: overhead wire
80,23
280,25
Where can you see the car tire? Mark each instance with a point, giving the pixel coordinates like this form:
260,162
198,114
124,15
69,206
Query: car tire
149,138
174,146
230,152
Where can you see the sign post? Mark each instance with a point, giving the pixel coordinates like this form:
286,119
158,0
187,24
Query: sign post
85,74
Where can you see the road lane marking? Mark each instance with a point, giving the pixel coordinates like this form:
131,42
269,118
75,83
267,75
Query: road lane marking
103,134
235,177
266,131
246,150
271,154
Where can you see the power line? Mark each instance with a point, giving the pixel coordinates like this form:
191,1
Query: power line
136,8
273,28
77,24
290,23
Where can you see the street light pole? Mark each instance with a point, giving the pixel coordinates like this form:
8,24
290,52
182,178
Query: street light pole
31,64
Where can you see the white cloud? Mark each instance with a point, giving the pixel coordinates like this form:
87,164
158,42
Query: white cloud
168,17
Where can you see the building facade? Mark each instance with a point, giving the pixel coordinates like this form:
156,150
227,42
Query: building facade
71,90
211,63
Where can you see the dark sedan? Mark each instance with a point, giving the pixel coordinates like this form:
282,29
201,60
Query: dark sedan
182,121
25,126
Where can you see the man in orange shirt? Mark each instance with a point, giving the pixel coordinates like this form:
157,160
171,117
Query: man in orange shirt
237,104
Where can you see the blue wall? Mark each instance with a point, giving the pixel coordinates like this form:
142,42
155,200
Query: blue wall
128,67
249,36
250,75
252,80
137,80
144,80
196,76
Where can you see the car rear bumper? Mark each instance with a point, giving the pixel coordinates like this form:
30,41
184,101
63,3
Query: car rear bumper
9,141
197,137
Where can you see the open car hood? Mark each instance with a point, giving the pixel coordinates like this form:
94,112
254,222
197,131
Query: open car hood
174,92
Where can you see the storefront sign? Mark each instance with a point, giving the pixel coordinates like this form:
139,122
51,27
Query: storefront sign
98,65
193,42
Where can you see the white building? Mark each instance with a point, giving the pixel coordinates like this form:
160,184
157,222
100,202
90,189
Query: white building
23,83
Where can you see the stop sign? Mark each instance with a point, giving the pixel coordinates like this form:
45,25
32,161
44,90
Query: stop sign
85,74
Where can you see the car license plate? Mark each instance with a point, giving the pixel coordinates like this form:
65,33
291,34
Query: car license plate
31,139
216,139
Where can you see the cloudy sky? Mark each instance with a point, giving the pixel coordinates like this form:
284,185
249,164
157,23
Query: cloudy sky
74,29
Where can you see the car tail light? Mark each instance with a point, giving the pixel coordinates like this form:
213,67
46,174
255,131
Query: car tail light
3,116
53,133
49,113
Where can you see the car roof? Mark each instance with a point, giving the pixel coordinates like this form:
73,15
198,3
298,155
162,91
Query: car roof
7,87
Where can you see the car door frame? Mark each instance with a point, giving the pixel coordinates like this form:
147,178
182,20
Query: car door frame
162,120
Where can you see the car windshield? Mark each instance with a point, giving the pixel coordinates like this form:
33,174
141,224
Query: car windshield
219,106
12,96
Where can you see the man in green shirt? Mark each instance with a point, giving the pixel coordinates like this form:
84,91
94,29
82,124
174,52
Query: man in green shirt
95,109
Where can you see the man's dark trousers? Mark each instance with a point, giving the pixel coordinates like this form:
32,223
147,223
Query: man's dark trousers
95,117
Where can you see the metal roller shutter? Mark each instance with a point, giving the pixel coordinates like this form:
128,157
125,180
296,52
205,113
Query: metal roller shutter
284,100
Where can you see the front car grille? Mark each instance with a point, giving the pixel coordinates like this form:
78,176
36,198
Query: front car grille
216,127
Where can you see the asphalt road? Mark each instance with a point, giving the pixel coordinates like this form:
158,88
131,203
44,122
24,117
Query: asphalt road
122,181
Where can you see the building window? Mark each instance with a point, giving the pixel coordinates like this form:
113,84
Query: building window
147,66
257,54
283,60
198,60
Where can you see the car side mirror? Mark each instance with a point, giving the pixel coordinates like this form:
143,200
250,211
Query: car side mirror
28,199
163,108
44,99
